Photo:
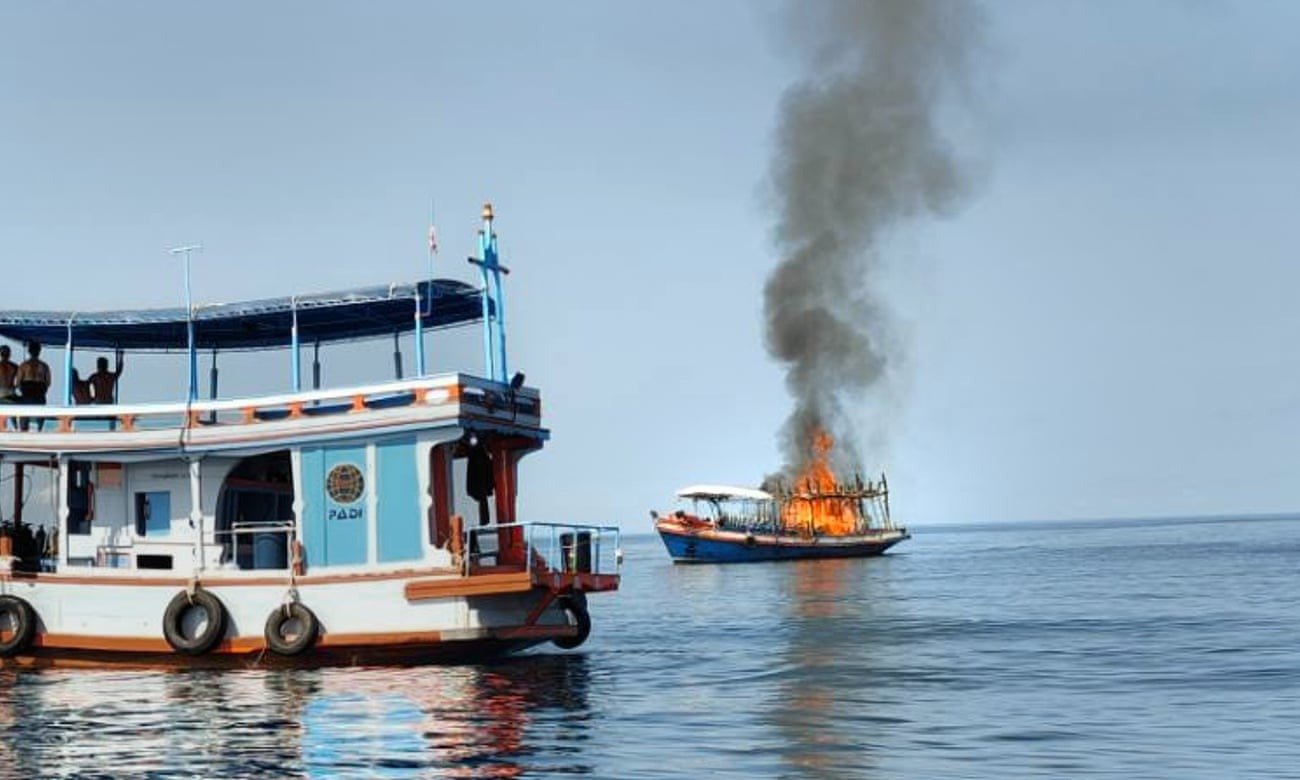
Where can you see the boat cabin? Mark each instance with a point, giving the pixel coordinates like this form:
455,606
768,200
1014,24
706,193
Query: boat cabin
310,479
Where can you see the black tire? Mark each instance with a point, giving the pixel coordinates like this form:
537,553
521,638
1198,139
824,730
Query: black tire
302,640
174,617
20,615
576,610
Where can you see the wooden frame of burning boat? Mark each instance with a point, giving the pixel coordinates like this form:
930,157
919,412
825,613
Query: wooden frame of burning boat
734,524
305,528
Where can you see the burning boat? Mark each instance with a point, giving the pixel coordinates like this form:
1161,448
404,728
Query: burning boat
815,517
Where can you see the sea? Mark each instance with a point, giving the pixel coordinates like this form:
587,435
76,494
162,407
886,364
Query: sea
1126,649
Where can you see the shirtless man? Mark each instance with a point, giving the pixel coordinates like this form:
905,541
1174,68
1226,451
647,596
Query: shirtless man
103,383
8,373
33,380
80,389
33,376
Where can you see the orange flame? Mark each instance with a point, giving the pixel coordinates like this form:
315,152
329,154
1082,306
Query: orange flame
812,507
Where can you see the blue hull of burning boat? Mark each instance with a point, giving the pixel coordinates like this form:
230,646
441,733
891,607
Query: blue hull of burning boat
705,548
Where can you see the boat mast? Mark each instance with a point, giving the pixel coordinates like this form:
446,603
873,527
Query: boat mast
494,307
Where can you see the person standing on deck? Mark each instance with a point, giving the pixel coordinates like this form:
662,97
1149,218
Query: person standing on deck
103,383
80,389
8,374
33,379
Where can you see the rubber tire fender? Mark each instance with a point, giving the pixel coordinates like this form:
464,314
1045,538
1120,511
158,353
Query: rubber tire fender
304,641
211,634
24,620
576,609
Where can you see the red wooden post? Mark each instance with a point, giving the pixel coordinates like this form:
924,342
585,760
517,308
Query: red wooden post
510,541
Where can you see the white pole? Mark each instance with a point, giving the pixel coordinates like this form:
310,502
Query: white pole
189,320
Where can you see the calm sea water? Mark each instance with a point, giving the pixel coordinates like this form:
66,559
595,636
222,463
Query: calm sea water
1100,649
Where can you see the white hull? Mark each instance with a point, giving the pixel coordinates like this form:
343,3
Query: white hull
363,619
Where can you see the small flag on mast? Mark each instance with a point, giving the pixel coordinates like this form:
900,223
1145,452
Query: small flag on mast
433,240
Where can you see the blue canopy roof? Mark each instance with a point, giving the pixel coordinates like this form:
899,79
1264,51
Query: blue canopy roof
326,317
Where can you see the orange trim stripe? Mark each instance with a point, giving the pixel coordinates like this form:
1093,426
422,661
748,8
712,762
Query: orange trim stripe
254,644
216,581
481,585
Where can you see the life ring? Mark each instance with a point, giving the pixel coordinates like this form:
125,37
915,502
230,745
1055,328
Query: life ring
575,608
21,621
297,640
214,627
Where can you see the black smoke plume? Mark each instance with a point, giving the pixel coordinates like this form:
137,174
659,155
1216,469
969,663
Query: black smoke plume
858,150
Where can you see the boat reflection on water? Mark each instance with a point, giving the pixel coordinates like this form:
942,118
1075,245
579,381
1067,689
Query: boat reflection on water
822,712
499,720
464,721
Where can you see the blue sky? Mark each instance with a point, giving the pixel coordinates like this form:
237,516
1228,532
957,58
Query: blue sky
1106,329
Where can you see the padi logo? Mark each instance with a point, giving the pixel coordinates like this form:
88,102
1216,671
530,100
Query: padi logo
345,513
345,484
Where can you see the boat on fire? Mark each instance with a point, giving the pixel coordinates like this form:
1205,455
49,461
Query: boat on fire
321,526
728,524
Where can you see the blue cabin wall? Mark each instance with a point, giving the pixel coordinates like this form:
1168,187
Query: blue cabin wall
398,534
378,523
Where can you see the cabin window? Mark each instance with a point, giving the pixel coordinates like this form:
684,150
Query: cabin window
81,498
153,561
153,513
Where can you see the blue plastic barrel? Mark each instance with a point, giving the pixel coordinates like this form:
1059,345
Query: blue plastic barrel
270,551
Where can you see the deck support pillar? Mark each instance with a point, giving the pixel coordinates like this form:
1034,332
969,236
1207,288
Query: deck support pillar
293,345
212,385
419,335
397,356
18,494
315,367
68,371
212,377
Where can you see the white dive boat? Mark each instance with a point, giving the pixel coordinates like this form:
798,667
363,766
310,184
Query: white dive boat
314,527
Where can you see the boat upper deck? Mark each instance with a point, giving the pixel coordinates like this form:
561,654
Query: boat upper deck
88,422
271,420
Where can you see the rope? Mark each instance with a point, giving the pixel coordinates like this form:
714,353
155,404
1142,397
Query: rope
291,595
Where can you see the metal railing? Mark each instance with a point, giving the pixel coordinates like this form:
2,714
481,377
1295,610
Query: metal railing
444,394
560,547
255,529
